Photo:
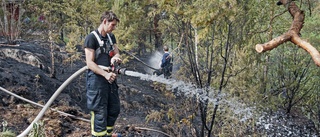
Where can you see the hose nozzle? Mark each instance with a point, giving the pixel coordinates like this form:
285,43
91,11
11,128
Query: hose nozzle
121,71
117,69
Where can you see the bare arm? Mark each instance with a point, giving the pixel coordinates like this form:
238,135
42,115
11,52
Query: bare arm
95,68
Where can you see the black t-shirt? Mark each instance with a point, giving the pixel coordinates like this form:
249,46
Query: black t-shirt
92,43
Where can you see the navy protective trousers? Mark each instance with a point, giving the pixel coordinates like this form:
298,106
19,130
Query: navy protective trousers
103,102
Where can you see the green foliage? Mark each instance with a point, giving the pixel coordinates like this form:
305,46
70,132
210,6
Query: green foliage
311,30
72,19
10,20
38,130
135,26
6,132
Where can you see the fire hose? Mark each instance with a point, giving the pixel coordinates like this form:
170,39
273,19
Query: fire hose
116,69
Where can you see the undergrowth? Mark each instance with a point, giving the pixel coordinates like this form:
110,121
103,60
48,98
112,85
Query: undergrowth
6,132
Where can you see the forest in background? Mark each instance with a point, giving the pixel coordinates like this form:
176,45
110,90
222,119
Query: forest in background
213,43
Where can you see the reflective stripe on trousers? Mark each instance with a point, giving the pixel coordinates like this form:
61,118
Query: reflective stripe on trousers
103,102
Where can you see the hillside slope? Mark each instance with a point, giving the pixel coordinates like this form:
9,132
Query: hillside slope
24,70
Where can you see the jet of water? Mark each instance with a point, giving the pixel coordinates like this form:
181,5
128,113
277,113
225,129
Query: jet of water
190,90
179,87
240,110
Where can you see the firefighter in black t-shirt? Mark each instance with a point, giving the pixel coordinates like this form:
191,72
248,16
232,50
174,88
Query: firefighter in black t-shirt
102,90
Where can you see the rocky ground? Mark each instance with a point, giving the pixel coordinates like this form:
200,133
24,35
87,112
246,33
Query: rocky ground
25,70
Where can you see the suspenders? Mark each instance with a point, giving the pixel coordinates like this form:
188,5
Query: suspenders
99,40
101,43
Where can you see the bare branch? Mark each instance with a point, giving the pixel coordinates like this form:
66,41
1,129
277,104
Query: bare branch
293,34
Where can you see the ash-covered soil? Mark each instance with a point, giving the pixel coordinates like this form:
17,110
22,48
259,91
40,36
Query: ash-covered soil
148,109
25,70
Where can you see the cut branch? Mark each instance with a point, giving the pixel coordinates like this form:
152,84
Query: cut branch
293,34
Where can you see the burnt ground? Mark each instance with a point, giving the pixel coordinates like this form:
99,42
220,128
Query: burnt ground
147,108
25,71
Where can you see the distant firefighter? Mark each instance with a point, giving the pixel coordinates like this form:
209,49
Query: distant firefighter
165,65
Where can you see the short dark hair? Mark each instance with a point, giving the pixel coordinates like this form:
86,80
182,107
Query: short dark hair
165,48
110,16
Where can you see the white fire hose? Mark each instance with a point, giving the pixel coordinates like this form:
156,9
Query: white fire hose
54,96
58,91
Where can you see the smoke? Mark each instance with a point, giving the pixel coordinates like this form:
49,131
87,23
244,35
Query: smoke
154,60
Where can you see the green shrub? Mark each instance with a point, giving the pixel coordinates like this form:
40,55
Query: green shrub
37,130
5,132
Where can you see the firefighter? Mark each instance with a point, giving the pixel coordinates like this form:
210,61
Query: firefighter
101,87
166,65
